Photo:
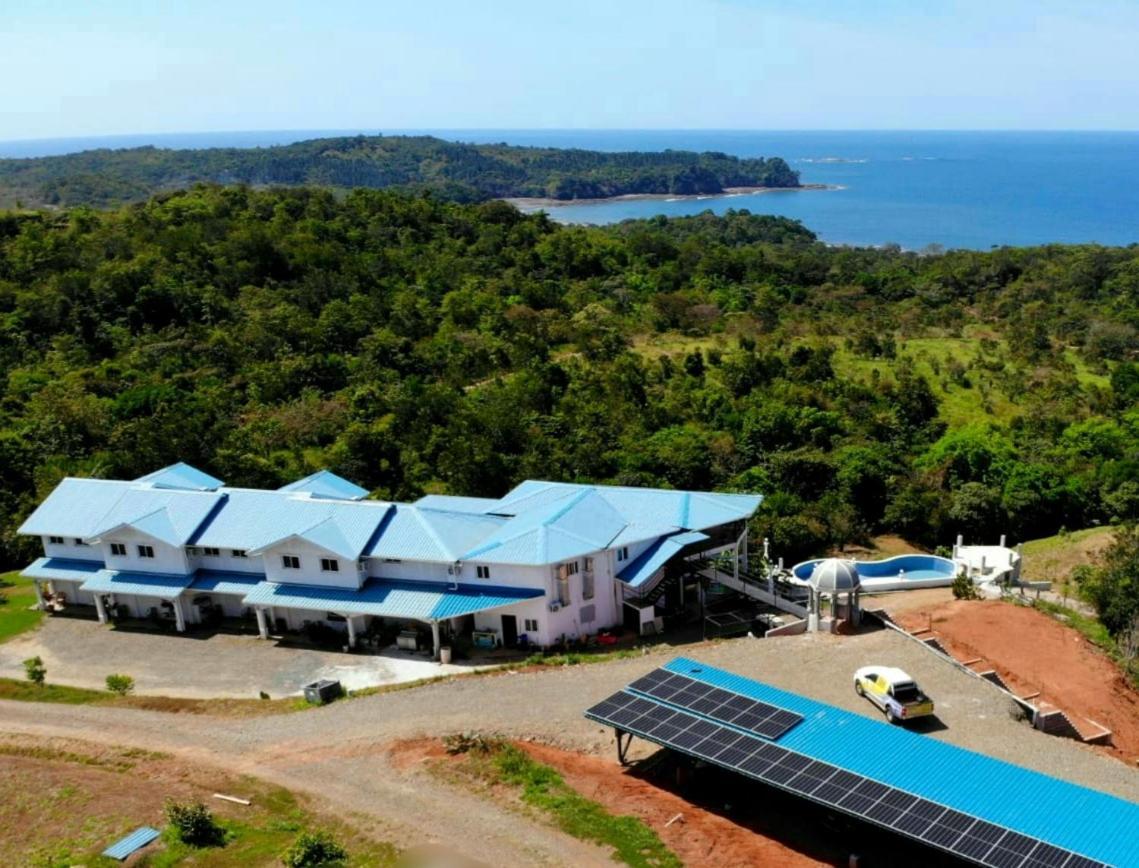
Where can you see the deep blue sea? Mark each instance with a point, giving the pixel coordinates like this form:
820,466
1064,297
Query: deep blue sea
955,189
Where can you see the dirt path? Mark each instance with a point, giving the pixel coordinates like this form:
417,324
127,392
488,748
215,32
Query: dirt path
1034,652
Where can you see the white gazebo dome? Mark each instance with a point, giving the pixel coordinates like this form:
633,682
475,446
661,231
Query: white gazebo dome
835,575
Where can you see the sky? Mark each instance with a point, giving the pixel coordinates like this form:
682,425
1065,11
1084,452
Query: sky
104,67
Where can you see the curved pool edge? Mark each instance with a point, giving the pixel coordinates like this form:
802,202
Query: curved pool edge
888,569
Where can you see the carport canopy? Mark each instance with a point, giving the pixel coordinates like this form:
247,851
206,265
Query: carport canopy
159,585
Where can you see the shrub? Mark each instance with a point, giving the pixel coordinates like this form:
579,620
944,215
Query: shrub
194,824
964,589
120,685
35,670
314,850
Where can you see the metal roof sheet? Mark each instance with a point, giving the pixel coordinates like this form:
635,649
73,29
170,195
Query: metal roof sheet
161,585
456,503
183,476
74,507
645,565
416,533
325,483
136,840
169,515
223,582
1065,814
61,569
389,598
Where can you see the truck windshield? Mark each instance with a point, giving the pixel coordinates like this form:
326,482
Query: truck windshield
906,692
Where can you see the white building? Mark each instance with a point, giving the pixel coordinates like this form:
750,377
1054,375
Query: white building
545,562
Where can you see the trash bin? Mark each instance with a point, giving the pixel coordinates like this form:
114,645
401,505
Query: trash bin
445,654
320,692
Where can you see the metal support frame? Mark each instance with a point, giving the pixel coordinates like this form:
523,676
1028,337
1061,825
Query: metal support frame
623,745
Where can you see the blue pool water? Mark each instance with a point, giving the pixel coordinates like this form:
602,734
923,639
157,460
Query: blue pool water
907,567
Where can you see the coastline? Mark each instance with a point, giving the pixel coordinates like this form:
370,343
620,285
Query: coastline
524,203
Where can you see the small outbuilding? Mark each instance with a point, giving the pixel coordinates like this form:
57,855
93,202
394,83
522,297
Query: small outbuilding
835,580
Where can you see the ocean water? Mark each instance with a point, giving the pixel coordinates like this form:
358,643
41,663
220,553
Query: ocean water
954,189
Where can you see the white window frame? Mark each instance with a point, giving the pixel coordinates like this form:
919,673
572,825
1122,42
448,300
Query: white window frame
329,565
483,572
55,540
118,550
622,554
238,553
145,551
529,625
211,552
290,562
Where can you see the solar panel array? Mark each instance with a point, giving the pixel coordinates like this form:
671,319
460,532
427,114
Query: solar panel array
928,822
721,705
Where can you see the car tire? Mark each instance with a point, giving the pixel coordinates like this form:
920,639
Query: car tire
890,716
858,688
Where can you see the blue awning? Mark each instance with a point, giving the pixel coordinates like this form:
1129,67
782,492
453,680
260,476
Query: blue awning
222,582
165,587
61,569
389,598
645,565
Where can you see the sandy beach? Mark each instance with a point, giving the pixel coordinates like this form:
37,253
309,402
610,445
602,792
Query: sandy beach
539,203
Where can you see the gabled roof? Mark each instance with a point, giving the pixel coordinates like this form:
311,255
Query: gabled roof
181,476
168,515
343,528
325,483
416,534
457,503
74,508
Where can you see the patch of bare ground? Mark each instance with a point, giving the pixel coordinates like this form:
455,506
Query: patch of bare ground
1035,653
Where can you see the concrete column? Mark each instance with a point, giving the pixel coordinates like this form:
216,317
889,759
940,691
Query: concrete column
436,644
100,609
351,631
262,624
272,617
39,594
1002,541
736,564
179,618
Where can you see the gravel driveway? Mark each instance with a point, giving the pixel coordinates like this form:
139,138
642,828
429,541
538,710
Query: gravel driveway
338,753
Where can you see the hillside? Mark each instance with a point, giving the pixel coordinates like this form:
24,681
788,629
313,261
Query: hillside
415,345
458,171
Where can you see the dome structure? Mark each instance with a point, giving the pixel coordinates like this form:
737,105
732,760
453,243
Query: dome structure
834,575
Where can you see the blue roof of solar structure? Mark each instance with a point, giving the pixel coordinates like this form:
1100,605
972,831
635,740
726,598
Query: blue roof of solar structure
161,585
65,569
182,476
1077,818
388,598
645,565
75,507
325,483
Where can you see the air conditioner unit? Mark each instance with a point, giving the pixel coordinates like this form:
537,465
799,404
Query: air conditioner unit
555,605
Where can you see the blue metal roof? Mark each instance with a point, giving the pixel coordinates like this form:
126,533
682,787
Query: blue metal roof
61,569
223,582
75,507
325,483
136,840
161,585
414,533
169,515
456,503
388,598
645,565
1065,814
182,476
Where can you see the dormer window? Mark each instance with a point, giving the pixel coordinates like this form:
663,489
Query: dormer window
210,552
290,562
55,540
146,551
329,565
119,550
623,553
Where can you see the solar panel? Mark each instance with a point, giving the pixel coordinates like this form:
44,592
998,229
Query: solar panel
717,703
949,830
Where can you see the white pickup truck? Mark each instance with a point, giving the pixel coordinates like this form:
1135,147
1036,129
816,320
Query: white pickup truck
893,691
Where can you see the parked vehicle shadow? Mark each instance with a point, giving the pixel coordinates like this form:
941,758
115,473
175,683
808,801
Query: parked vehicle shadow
925,725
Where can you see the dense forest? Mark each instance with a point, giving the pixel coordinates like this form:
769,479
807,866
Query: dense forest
451,170
417,345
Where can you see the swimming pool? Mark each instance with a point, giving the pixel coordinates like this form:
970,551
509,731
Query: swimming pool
893,574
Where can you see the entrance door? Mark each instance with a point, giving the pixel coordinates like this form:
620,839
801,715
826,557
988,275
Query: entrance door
509,631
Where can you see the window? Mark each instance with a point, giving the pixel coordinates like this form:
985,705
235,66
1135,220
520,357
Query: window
210,552
119,550
290,562
589,565
55,540
146,551
571,568
79,542
329,565
530,625
587,586
482,572
563,590
239,553
623,553
588,614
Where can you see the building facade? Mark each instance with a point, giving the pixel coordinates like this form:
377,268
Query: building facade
545,563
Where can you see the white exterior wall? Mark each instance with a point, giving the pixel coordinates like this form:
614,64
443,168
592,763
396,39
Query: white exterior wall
167,559
310,572
70,550
226,562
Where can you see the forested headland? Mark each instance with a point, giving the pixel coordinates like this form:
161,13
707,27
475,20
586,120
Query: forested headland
417,345
450,170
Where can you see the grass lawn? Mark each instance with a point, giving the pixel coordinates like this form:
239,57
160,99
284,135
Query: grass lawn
16,600
1053,558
